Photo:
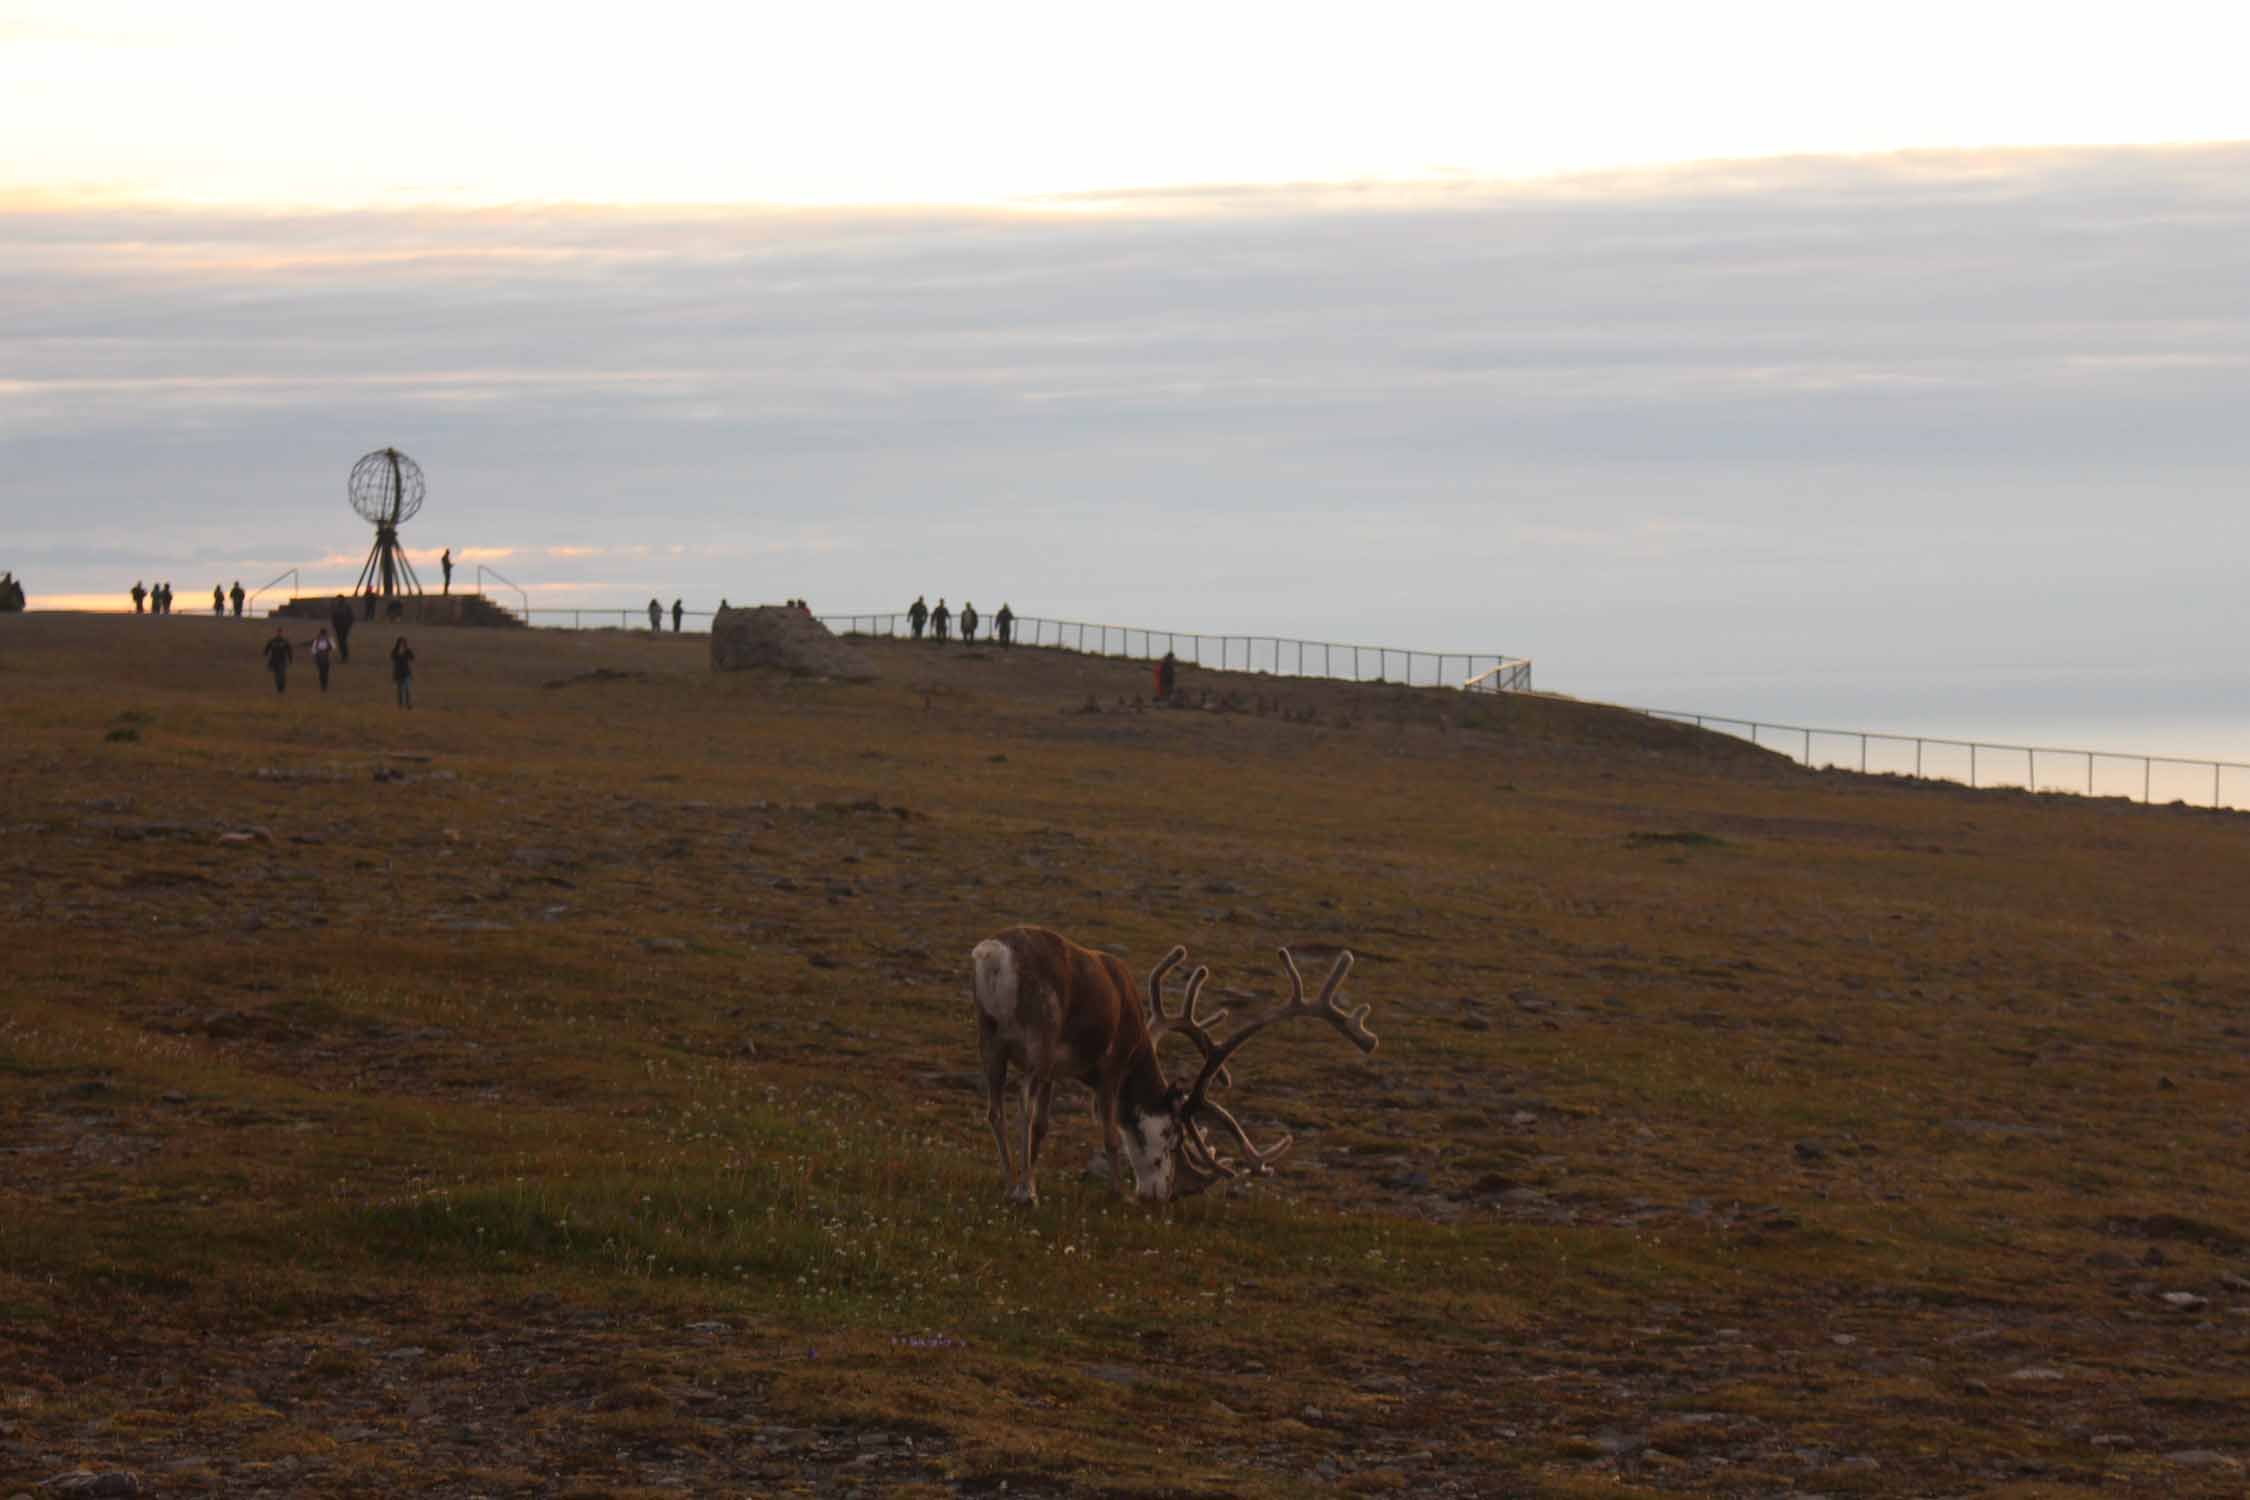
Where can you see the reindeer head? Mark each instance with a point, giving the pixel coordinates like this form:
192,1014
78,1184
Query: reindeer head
1173,1144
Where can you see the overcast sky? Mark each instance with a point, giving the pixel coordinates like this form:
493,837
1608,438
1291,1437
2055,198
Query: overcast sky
1945,439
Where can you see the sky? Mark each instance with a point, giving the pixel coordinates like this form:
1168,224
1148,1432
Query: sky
1868,366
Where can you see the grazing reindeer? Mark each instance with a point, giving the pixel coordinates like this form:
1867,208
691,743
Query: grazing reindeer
1052,1008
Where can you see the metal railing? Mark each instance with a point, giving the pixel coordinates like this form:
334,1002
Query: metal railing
601,619
1280,656
1986,763
483,571
296,585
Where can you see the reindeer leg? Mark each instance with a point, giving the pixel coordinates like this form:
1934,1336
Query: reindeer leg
1038,1100
996,1097
1105,1109
1026,1190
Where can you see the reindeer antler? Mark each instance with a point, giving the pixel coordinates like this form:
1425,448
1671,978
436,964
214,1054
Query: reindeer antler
1189,1021
1352,1023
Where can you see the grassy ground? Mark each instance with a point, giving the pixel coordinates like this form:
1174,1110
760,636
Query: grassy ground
569,1088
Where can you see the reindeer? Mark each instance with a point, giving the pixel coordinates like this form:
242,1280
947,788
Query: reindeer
1053,1009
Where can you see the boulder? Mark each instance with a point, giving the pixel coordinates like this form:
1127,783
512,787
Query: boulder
773,635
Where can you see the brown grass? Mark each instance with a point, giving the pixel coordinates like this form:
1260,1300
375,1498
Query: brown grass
590,1105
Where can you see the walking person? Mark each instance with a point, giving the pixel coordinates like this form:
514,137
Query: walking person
445,561
371,604
968,620
917,616
340,620
322,648
939,619
278,656
237,596
139,594
655,616
218,602
402,672
1004,625
677,611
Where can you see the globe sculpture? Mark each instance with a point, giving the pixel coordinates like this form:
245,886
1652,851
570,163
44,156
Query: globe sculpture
386,489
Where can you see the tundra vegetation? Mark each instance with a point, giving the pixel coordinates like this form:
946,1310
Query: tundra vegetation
572,1088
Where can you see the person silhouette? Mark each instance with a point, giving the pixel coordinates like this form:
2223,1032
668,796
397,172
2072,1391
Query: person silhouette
237,596
139,594
677,612
402,671
278,655
445,561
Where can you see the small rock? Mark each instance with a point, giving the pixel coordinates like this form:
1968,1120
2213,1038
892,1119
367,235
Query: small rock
2038,1373
1310,1413
1809,1151
2202,1458
2113,1440
664,944
2185,1301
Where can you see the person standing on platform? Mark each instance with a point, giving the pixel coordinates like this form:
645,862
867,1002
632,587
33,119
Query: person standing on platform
445,561
940,619
277,660
1004,625
402,672
917,616
237,596
968,621
218,602
1167,677
139,594
677,612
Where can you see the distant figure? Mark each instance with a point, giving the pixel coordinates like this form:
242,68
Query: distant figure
1167,677
277,660
218,602
11,594
167,596
655,615
394,608
445,561
1004,625
371,604
938,619
917,616
677,612
237,596
402,672
968,620
139,594
322,649
722,606
340,618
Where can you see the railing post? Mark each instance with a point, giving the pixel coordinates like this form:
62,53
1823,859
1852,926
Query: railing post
1863,755
1917,760
2089,773
2145,764
2214,784
1808,749
1972,764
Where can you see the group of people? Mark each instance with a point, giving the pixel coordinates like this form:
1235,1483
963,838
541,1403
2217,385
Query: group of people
939,621
11,594
158,600
326,650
